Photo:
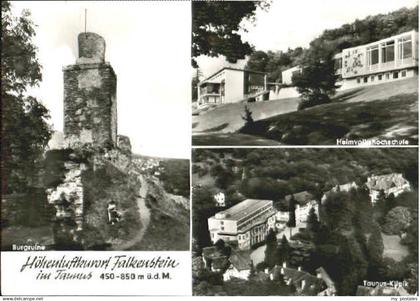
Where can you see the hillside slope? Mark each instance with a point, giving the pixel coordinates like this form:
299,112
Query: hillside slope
386,110
227,118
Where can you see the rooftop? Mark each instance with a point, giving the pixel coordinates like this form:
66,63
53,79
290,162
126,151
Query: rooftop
241,260
385,182
383,40
244,208
233,69
313,285
301,197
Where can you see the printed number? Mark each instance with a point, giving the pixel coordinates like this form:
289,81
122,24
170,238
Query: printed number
127,276
107,276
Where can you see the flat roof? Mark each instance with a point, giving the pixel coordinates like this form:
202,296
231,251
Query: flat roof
382,40
231,68
244,208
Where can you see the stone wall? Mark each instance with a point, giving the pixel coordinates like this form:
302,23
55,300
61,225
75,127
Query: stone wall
90,106
89,101
67,198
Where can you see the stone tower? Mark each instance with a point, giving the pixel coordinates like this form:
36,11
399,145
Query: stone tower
90,105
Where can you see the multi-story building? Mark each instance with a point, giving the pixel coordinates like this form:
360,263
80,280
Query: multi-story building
393,183
229,85
343,187
246,223
385,60
305,201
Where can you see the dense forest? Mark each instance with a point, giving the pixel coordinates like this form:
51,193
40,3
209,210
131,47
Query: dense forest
175,176
348,242
359,32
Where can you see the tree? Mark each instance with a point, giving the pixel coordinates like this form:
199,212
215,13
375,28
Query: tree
390,202
258,61
292,214
397,220
316,81
312,222
216,26
283,251
375,244
249,120
222,247
270,249
194,84
252,271
24,132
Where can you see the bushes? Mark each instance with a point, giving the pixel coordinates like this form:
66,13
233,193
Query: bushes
397,220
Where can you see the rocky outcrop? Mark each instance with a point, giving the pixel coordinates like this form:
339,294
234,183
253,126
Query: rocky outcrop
67,198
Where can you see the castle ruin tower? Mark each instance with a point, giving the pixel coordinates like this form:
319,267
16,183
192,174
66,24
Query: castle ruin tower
90,104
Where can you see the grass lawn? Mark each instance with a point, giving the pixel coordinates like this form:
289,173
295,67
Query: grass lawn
386,111
164,233
393,248
20,235
392,118
227,139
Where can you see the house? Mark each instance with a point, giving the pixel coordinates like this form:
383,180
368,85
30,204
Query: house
219,198
230,85
344,187
247,223
214,259
393,183
239,267
287,75
305,201
282,215
305,283
330,290
386,60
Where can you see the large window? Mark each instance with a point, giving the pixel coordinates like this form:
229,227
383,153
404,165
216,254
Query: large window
404,47
388,52
373,55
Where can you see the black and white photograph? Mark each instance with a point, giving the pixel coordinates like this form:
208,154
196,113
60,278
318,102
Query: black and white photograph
209,148
267,73
86,162
305,222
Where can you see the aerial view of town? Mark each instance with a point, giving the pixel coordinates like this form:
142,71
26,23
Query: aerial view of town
312,222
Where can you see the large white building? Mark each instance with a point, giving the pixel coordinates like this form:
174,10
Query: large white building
386,60
389,59
393,183
229,85
246,223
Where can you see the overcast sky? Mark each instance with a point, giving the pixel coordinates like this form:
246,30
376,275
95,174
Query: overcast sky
147,44
290,24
